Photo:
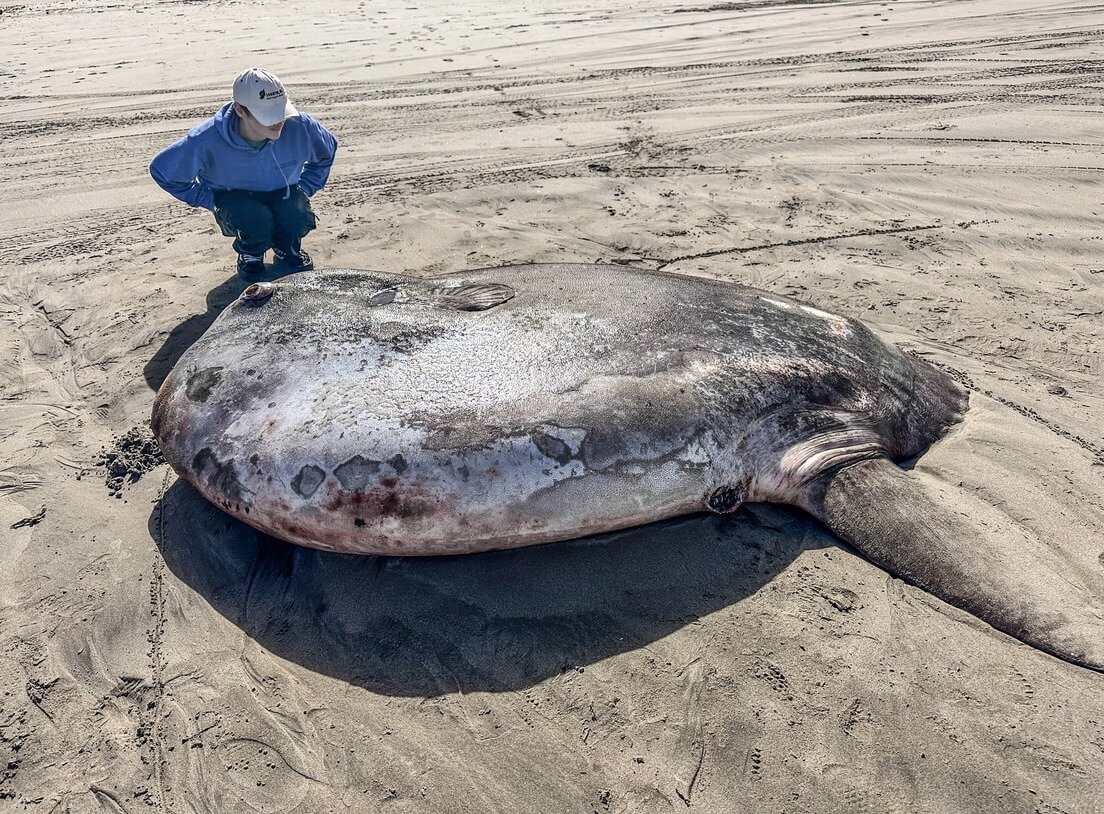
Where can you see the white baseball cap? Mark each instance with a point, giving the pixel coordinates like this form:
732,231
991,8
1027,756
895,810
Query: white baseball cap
264,95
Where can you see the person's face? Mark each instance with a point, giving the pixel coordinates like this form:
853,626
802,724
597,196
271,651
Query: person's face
253,129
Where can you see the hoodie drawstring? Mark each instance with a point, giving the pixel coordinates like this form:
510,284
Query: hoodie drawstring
287,186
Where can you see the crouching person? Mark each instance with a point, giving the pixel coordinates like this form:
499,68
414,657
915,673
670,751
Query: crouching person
255,164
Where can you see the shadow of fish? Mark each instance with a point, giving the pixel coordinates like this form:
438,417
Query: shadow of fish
377,413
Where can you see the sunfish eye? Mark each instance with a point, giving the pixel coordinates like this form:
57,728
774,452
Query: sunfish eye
258,293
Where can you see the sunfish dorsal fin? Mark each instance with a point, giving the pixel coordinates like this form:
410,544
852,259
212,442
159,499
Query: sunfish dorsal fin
472,296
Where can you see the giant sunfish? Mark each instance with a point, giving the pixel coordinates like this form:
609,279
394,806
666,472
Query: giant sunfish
376,413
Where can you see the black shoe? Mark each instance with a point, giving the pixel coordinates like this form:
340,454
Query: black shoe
250,266
293,260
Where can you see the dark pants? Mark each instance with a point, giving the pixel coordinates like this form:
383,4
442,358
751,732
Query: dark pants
259,221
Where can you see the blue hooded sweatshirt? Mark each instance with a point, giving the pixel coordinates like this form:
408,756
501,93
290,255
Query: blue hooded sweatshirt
214,156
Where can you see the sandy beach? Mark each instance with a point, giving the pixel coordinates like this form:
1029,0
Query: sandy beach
932,168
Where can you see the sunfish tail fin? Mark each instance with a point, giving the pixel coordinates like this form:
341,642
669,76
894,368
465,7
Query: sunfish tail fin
967,552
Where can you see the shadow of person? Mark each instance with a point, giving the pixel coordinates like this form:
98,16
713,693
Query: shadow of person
187,332
184,335
498,621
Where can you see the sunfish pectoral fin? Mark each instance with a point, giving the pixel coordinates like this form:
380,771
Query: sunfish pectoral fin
472,296
967,553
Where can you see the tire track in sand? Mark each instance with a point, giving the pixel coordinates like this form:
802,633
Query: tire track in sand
152,722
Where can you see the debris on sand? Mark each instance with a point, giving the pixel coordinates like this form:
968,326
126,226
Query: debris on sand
130,457
33,520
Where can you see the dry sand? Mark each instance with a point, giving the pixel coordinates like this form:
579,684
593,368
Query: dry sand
933,168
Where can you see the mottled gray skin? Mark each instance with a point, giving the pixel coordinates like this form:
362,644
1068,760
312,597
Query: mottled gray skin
377,413
595,397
